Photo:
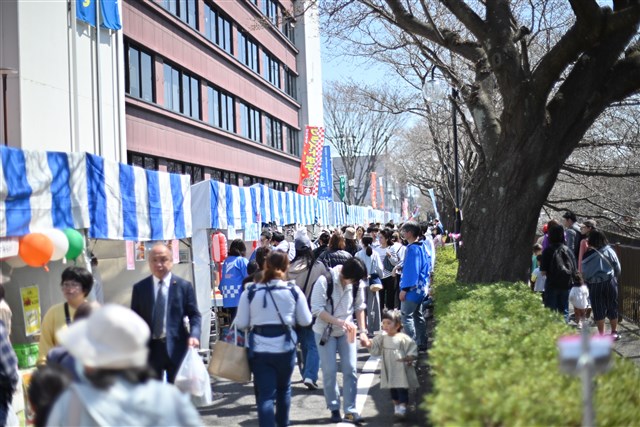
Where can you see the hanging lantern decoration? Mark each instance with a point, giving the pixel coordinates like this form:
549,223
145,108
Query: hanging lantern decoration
60,242
218,247
36,250
76,243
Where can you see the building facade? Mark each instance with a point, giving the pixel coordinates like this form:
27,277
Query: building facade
221,89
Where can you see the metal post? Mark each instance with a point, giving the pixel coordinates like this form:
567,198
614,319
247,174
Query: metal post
586,368
454,95
4,109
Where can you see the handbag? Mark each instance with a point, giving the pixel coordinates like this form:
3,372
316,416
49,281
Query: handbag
375,284
386,263
230,361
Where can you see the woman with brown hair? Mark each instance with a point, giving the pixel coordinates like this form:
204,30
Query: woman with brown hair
271,309
335,254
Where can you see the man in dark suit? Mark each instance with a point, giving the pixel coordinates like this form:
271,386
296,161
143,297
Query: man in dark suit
163,300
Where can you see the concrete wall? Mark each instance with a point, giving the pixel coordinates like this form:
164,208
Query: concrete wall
53,101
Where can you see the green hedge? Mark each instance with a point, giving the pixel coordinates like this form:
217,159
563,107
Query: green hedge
494,361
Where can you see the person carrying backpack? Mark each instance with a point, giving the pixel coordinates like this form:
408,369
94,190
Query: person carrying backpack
334,300
558,265
271,309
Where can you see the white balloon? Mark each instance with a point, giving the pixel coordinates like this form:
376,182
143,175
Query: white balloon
60,242
15,262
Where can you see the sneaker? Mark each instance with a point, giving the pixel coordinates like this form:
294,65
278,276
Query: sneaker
335,417
311,385
401,411
353,418
616,336
396,411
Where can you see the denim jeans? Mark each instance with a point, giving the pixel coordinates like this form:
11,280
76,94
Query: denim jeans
557,300
329,364
400,395
272,382
413,322
310,357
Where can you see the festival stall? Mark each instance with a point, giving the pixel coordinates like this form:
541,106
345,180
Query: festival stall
223,212
56,207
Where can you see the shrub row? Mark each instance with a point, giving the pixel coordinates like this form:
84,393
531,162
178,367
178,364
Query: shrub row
494,361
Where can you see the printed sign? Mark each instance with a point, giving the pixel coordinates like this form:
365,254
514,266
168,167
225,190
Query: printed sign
30,296
130,255
311,162
9,247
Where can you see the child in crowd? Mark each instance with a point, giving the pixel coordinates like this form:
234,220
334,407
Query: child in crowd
579,298
537,251
399,353
537,279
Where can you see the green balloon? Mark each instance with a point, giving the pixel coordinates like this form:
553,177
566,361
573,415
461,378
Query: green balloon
76,243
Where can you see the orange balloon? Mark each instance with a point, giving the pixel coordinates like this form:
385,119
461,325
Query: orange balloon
36,249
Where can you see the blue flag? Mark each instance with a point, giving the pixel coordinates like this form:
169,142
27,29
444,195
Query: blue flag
325,187
110,14
86,11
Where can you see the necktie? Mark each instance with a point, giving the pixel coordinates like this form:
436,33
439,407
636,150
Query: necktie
158,313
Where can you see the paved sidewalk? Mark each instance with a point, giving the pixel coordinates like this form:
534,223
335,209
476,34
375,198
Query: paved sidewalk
629,344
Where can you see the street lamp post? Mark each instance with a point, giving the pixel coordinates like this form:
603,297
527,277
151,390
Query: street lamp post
5,126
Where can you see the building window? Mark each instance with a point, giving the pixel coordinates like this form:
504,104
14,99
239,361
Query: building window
218,28
288,26
273,132
271,70
146,162
250,122
139,76
181,92
221,109
248,51
293,141
270,10
290,86
183,9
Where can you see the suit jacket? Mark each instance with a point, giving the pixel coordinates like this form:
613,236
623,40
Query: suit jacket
181,302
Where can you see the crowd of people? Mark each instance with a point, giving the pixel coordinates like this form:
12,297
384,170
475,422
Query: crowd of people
573,263
112,365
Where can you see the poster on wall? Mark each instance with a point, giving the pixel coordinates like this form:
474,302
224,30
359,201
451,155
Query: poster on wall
141,251
30,297
130,255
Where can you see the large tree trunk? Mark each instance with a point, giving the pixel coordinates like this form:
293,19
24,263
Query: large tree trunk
500,221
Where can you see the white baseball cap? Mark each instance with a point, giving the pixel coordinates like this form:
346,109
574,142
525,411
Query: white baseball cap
113,337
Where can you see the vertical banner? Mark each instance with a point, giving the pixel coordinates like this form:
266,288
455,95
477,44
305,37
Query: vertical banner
130,254
433,200
175,250
374,188
343,187
405,209
311,161
30,296
110,14
381,195
325,190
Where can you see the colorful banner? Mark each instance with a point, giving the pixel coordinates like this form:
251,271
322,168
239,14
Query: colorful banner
30,296
405,209
311,163
325,190
381,195
343,187
374,188
433,200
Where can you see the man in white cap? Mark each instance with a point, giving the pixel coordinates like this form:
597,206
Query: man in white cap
112,346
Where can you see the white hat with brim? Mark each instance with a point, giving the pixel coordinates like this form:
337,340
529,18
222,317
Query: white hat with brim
113,337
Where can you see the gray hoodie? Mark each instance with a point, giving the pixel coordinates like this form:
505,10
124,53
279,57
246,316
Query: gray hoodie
298,272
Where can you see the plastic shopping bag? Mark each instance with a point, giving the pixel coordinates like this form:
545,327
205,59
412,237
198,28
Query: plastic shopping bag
193,378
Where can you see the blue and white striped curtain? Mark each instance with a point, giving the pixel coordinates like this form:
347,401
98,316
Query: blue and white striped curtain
114,201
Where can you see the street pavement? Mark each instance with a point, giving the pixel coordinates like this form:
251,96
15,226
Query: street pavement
234,404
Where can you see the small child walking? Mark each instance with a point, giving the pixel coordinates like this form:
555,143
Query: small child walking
399,353
579,298
538,280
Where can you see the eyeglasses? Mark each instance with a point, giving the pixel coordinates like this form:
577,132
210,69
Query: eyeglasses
70,285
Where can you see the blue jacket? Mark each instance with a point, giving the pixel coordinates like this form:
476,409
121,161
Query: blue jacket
600,266
234,270
181,302
415,272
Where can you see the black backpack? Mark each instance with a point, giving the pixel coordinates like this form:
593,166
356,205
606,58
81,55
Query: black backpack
562,268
